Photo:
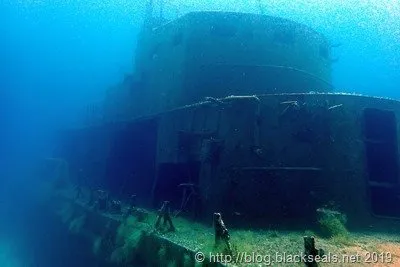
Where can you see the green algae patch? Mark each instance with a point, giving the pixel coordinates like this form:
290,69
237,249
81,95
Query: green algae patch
332,225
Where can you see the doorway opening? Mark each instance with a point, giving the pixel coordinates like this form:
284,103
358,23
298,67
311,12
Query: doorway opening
381,149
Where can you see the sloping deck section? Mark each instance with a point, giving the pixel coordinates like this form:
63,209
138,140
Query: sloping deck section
134,242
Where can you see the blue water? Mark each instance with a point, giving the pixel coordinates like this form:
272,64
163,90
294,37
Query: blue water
56,57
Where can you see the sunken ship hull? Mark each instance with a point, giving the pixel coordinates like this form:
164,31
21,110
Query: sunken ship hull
235,114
